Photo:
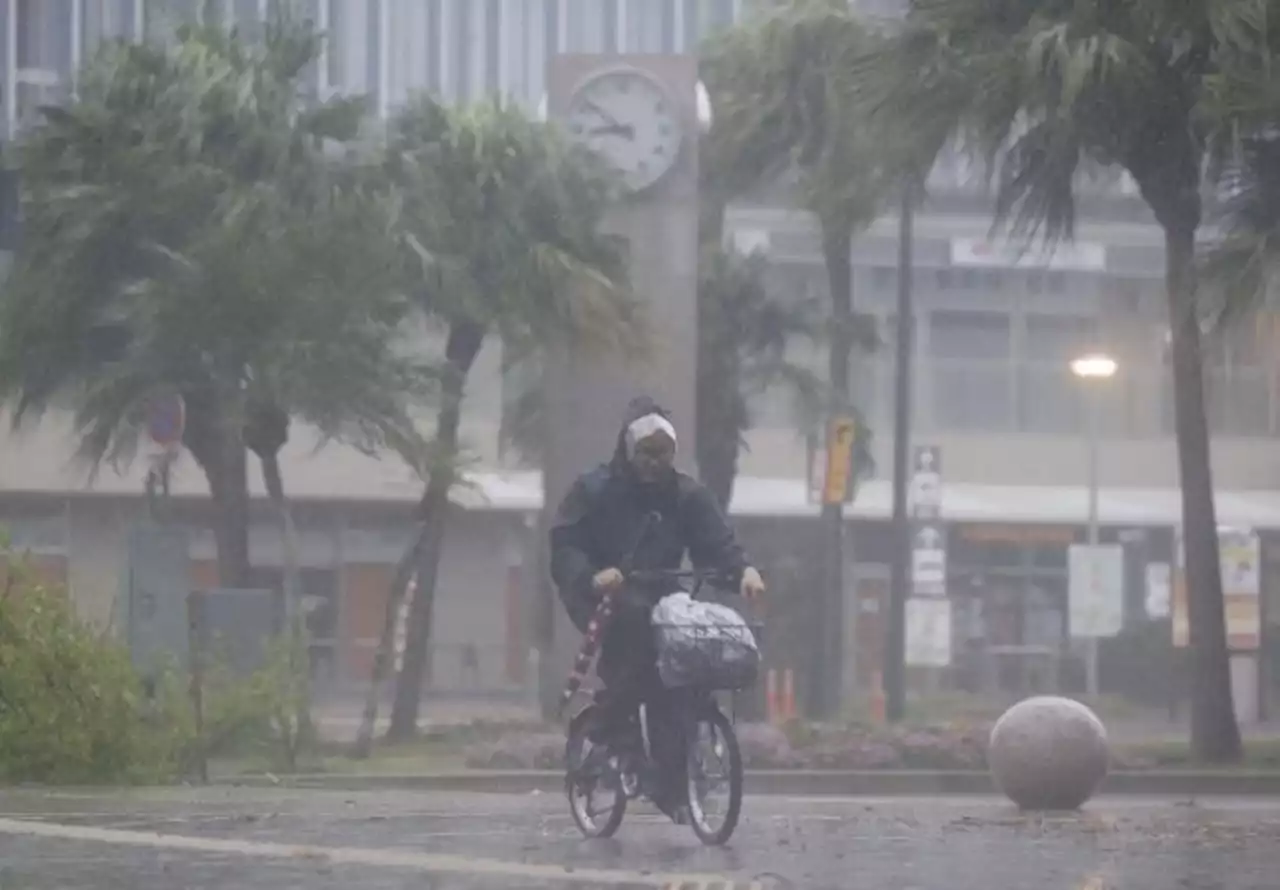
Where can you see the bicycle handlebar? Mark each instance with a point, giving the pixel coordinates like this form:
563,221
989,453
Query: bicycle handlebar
700,577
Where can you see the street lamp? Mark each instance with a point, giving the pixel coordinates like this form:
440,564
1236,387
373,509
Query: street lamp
1093,367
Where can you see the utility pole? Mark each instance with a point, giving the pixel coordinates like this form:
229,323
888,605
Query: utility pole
900,569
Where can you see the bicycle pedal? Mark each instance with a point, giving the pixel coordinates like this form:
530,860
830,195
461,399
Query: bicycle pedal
630,785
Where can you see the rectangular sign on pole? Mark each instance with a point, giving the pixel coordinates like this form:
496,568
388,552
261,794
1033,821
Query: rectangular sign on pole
837,486
1240,556
929,561
1095,590
926,482
928,641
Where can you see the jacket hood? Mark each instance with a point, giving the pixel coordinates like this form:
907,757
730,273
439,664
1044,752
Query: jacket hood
638,407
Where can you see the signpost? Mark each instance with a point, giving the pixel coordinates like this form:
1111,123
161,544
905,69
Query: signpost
1240,556
166,423
1095,591
928,610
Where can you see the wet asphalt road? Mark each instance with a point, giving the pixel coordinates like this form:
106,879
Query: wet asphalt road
255,840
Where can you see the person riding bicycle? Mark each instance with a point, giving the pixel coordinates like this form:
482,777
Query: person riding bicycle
607,514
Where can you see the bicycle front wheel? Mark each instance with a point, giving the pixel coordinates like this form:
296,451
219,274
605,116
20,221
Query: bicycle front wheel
592,773
714,768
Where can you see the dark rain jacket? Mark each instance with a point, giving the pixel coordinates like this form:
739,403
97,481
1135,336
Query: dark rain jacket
600,519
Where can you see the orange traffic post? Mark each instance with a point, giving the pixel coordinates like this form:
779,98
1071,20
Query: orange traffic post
771,696
877,698
788,695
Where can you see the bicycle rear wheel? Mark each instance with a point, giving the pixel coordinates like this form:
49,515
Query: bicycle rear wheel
589,770
712,733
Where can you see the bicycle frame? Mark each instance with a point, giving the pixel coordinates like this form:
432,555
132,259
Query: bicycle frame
592,639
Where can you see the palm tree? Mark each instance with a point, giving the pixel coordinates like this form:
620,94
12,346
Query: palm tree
500,230
1042,86
744,332
1244,98
186,229
778,85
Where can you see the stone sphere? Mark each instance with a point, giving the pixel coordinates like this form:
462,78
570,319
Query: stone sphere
1048,753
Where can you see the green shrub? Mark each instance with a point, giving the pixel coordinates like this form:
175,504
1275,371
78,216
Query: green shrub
74,710
69,697
263,714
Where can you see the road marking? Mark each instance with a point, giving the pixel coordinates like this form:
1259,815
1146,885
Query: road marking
424,862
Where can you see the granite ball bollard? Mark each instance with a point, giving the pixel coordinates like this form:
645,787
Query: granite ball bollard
1048,753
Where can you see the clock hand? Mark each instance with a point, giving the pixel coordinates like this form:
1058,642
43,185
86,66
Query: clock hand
625,130
609,118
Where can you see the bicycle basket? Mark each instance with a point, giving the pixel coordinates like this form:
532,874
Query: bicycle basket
703,645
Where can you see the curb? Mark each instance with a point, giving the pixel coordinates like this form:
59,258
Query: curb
795,783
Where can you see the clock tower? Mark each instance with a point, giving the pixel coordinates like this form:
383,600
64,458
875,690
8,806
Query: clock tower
641,112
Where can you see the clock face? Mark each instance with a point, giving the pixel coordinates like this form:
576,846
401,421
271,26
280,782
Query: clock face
627,117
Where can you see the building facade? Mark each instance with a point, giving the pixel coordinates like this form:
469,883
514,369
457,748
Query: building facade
996,329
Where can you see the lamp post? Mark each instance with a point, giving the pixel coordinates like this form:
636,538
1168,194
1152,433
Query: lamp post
1092,369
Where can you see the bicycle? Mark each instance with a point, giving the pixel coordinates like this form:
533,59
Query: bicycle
631,773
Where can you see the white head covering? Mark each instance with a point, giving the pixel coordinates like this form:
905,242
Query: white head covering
644,427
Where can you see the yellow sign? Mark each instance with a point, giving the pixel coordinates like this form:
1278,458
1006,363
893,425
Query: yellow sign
1240,555
842,435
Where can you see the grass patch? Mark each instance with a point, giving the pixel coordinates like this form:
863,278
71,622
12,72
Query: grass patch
960,707
1259,754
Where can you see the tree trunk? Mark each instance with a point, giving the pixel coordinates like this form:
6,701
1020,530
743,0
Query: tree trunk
837,244
295,621
718,416
273,481
711,213
363,746
226,468
461,349
719,436
1215,735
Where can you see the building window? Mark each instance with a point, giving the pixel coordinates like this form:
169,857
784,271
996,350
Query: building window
551,27
884,279
246,15
1049,396
373,53
610,28
586,20
692,27
433,39
667,42
649,22
493,48
334,45
1238,383
716,15
971,369
44,35
105,20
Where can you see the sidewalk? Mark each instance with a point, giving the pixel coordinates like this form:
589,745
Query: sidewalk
792,783
339,719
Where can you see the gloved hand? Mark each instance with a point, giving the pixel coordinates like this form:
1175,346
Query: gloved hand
752,584
606,580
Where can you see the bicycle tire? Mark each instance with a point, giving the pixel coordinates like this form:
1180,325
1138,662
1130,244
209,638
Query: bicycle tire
574,744
724,728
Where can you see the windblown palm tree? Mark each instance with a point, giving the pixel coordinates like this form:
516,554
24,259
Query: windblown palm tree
500,234
1041,87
